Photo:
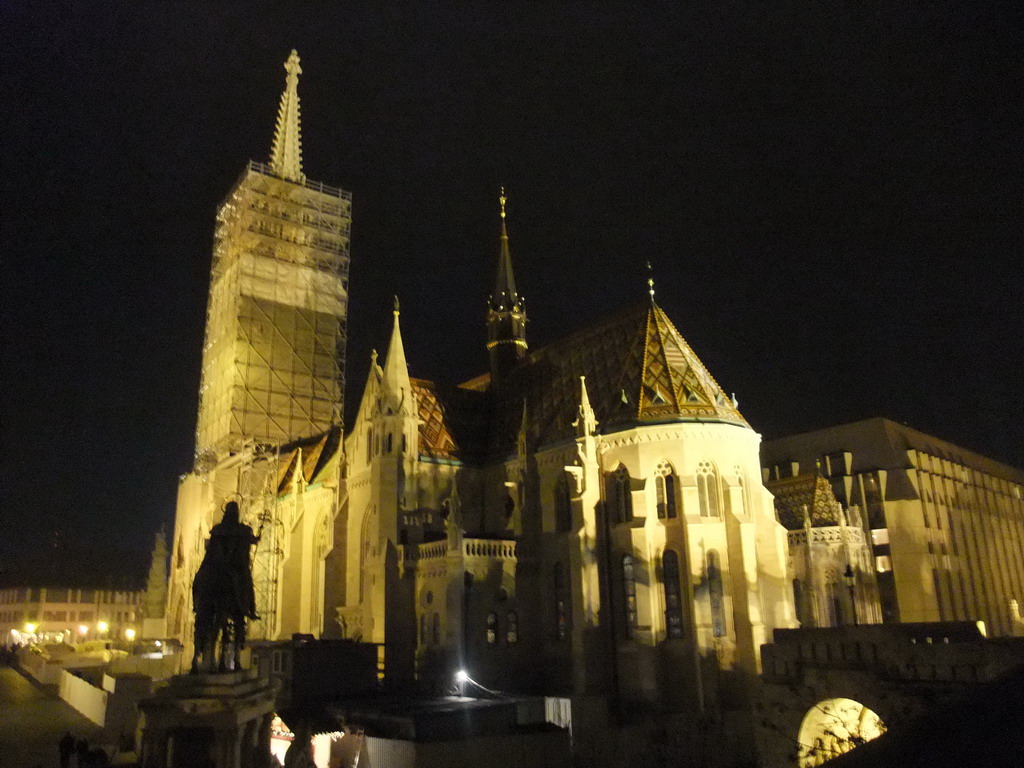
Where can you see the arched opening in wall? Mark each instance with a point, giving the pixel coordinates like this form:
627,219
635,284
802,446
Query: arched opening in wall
673,594
629,595
707,489
563,506
665,491
620,499
833,727
561,603
389,447
716,594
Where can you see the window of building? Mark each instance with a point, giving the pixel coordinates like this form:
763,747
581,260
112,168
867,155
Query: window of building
563,506
673,596
512,628
423,629
369,444
716,594
707,489
492,628
629,593
561,603
435,629
620,499
665,490
390,444
404,444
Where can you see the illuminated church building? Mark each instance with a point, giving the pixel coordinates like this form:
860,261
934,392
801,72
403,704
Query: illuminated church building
584,518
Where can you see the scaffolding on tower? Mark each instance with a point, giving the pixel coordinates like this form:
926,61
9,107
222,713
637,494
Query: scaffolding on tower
273,359
257,484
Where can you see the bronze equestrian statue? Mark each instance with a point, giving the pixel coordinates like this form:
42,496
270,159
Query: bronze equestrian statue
222,594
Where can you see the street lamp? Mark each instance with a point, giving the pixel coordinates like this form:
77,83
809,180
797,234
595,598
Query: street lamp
102,627
129,634
30,628
851,584
82,629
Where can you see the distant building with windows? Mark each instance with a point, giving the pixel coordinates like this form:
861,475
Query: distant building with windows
946,524
72,614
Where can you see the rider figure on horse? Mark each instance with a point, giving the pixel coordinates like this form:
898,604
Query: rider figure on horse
232,539
222,592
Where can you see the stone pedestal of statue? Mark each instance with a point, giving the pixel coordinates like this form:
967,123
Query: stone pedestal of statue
209,721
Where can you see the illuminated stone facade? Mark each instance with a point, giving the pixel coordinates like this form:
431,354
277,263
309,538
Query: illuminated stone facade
830,556
268,430
946,524
587,519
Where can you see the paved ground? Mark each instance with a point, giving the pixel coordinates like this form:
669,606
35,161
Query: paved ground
32,721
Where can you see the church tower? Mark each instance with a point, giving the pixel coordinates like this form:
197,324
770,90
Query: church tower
274,354
506,316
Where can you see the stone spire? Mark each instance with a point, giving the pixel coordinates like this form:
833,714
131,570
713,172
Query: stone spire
286,153
505,282
506,316
396,369
586,422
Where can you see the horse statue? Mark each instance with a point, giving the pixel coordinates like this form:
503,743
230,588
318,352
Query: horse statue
223,596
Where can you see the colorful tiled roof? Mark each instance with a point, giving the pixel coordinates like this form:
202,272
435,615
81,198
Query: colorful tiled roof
639,369
792,494
317,453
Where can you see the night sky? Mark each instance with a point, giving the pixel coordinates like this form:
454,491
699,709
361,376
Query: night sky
830,195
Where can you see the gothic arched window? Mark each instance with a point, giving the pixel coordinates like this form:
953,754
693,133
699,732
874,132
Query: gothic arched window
492,628
716,594
563,506
673,594
561,603
665,489
629,595
369,445
620,500
512,628
707,489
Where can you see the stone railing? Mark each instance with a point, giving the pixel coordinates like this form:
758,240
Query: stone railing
833,534
496,549
491,549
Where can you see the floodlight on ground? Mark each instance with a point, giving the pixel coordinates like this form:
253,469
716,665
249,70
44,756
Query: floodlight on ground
461,676
129,634
30,629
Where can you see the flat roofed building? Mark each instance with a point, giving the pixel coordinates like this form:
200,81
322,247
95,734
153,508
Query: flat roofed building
946,523
71,614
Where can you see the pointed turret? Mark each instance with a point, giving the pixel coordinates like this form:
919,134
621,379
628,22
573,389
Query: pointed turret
586,421
396,370
286,153
506,316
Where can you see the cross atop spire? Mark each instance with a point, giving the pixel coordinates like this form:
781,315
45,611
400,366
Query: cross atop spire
505,283
286,153
506,317
650,280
